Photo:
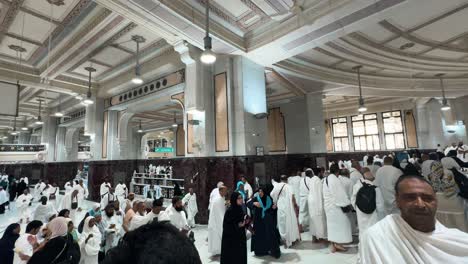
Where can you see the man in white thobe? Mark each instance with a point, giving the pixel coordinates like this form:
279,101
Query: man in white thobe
44,211
355,172
121,192
104,188
415,236
112,226
317,220
335,198
283,199
82,192
190,203
23,202
68,187
247,187
367,220
108,198
346,182
176,215
26,243
3,200
139,218
215,222
214,194
304,188
385,179
294,181
449,148
372,167
53,194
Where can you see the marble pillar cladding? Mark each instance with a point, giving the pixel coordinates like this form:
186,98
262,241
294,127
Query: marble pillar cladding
71,143
316,123
49,129
96,118
422,125
61,153
112,134
24,137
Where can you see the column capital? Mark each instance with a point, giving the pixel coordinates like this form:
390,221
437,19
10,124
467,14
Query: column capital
188,53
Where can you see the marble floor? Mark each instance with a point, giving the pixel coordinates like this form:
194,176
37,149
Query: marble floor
304,252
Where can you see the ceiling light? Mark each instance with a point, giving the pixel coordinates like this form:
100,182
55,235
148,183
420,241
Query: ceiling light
88,100
174,123
25,128
208,56
39,118
140,130
13,133
137,79
4,137
362,107
58,114
79,97
445,105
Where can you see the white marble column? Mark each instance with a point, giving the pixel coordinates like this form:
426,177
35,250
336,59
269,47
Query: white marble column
48,136
24,137
71,143
94,127
60,143
316,123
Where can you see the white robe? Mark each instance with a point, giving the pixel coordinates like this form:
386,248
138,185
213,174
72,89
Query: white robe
22,245
112,234
106,199
347,185
177,219
121,192
385,179
318,221
426,168
355,175
22,204
213,195
90,250
215,225
3,197
82,193
449,163
137,221
367,220
338,223
104,188
304,187
294,183
68,187
287,221
248,189
44,212
392,240
191,207
66,204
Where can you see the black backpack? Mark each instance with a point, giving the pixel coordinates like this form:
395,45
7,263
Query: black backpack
365,198
462,182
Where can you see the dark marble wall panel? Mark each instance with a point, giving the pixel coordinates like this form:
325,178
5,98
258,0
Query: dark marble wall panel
61,172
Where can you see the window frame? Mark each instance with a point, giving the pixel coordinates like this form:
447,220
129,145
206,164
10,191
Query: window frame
341,137
365,136
393,133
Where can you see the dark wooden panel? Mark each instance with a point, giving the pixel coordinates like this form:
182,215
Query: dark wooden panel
411,134
221,113
276,131
180,141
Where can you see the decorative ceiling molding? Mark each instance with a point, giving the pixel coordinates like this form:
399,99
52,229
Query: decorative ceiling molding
45,18
13,10
25,39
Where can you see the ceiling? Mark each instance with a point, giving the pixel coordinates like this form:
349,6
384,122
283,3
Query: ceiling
162,117
307,46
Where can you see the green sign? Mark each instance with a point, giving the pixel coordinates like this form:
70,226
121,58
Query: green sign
163,150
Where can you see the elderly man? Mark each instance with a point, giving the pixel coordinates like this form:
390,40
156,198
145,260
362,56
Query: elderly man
355,172
415,236
385,179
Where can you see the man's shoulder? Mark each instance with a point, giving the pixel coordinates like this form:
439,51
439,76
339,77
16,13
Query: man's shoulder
377,231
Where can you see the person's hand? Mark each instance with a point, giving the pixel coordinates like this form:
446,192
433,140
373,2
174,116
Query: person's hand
32,240
241,224
257,204
79,209
274,206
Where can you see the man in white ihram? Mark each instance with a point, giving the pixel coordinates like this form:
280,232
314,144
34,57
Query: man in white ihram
304,188
215,222
190,203
334,199
283,199
214,194
415,236
385,179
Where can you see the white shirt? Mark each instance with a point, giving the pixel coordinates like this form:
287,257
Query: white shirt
22,245
386,179
177,219
355,175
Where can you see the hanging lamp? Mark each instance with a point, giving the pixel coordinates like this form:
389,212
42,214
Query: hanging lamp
174,123
39,118
140,130
207,56
14,132
137,79
88,100
362,107
58,113
445,105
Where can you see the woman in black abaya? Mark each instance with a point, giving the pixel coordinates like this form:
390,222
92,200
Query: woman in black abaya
7,243
266,239
234,241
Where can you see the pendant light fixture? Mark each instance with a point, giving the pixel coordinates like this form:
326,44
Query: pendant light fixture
445,105
174,123
39,118
140,129
137,79
88,100
208,56
14,132
362,106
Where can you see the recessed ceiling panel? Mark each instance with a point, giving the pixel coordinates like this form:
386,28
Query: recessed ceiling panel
46,9
111,56
397,43
446,28
4,49
445,54
235,7
376,33
31,27
318,57
126,42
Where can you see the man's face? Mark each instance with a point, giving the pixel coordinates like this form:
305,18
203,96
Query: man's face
178,206
25,192
131,197
418,204
109,211
141,208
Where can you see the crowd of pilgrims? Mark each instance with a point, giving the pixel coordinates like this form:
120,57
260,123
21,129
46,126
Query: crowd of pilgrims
398,195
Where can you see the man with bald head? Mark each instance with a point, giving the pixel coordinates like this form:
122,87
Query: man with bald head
415,236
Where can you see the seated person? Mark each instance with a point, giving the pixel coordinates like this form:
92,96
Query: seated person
415,236
156,242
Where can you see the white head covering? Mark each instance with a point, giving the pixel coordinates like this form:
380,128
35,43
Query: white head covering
58,227
220,184
90,230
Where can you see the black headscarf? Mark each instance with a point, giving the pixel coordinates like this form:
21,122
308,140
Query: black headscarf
7,243
63,212
410,169
235,209
433,156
